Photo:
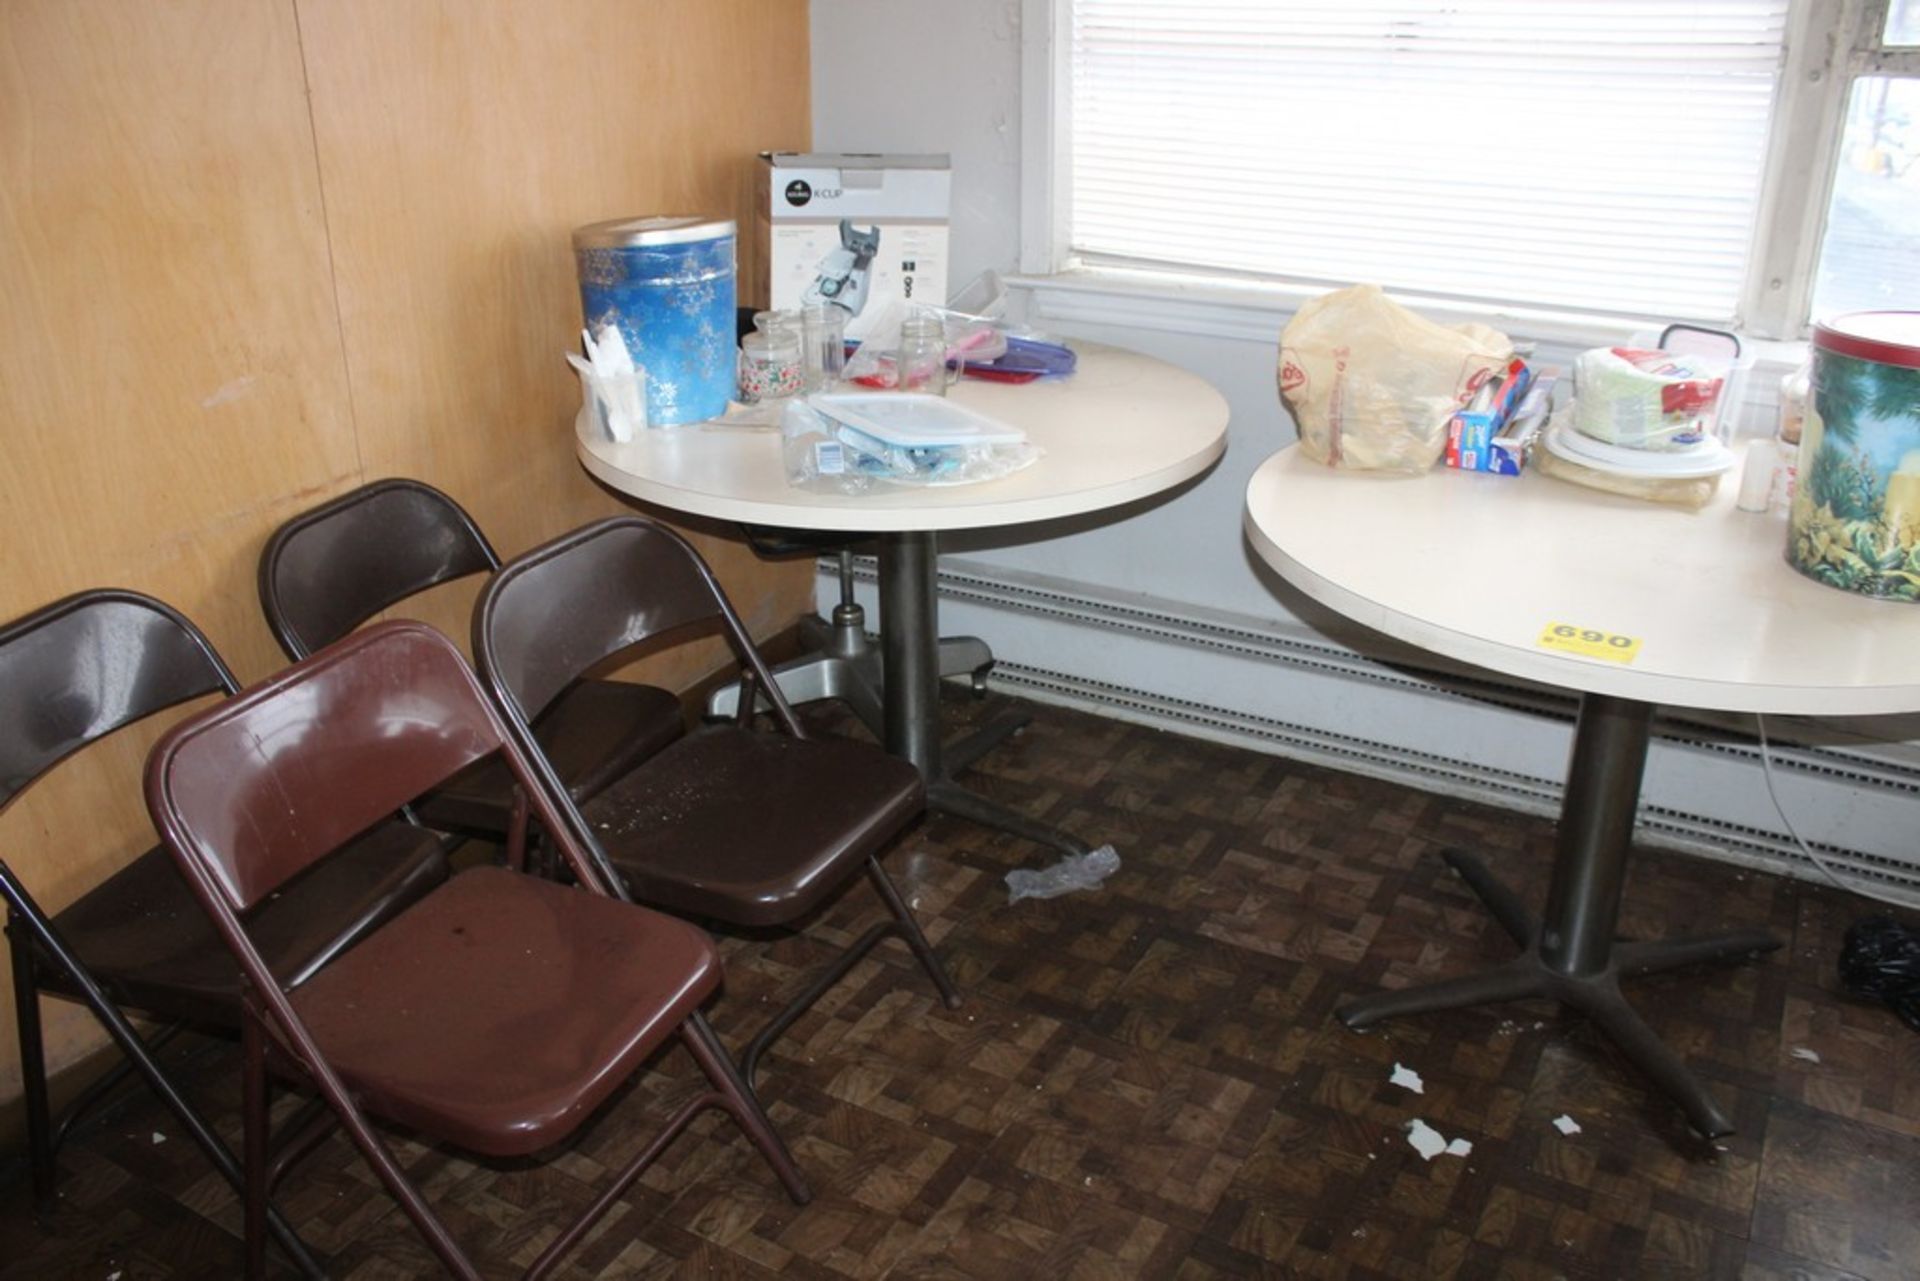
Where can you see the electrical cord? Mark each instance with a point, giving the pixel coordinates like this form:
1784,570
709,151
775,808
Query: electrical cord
1851,886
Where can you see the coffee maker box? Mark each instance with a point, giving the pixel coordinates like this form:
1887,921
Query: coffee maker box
864,232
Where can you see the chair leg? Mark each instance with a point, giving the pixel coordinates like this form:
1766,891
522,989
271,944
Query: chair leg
395,1180
743,1105
33,1064
902,924
729,1094
910,931
253,1144
25,915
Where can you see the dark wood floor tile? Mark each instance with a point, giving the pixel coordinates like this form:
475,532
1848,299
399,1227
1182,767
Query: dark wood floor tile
1829,1189
1148,1081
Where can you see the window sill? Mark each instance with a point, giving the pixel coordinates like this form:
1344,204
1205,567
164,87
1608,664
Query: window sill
1256,311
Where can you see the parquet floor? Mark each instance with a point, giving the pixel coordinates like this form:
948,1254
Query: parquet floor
1147,1081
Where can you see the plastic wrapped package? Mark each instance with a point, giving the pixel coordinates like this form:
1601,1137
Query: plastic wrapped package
849,444
1647,399
1880,958
1371,384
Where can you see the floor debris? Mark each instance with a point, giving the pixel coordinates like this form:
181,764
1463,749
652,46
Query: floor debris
1407,1078
1430,1143
1566,1124
1802,1053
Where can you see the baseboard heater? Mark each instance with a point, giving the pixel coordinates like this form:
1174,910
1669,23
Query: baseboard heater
1258,684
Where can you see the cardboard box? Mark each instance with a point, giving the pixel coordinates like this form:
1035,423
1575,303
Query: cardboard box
866,232
1473,435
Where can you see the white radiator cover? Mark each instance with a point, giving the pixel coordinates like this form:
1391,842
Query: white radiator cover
1279,686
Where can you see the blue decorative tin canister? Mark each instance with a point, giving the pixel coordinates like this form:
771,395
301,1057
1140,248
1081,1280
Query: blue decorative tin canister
668,284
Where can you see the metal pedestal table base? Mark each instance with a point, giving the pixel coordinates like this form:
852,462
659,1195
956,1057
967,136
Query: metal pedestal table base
909,642
1570,955
841,663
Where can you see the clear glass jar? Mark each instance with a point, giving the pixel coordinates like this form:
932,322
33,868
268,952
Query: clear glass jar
823,330
920,364
769,365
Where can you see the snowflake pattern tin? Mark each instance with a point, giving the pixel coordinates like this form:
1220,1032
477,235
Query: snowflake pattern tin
668,283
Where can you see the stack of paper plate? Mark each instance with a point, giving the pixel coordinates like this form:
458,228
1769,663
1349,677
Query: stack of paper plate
1708,458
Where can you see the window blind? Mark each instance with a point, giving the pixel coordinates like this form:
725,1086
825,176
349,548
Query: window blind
1595,155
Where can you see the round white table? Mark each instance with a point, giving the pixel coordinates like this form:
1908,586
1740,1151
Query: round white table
1124,426
1628,603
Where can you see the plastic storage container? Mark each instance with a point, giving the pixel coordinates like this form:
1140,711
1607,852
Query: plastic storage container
668,284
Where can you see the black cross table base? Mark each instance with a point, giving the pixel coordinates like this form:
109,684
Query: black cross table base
1569,954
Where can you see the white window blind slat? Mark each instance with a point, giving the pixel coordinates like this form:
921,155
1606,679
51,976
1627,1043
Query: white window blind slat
1588,154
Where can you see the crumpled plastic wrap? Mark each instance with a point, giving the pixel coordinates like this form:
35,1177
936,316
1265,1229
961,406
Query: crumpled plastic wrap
1073,872
1880,958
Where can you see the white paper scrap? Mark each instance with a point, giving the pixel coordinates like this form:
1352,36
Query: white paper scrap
1425,1139
1407,1078
159,1137
1430,1143
1566,1124
1802,1053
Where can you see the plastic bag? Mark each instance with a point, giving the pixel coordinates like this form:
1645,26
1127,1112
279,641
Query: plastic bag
1881,958
829,456
1072,872
1371,385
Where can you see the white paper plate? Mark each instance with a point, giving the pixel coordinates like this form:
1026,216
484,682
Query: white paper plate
1708,458
912,420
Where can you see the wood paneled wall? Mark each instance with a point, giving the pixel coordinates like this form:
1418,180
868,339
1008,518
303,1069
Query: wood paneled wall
257,252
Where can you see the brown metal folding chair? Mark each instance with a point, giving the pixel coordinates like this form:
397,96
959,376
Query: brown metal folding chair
330,569
728,824
498,1012
72,673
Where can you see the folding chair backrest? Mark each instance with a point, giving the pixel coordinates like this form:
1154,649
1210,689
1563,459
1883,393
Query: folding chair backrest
560,609
85,666
257,789
328,570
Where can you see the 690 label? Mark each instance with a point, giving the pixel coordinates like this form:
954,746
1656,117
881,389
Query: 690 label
1589,642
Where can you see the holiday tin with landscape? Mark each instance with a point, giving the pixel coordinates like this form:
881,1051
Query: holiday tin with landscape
1856,512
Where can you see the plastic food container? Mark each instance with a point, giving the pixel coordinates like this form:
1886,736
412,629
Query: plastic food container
668,284
1855,520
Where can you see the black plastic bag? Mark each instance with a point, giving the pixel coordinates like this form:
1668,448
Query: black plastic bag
1881,958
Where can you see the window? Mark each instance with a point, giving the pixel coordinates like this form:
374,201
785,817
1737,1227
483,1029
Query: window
1625,158
1870,254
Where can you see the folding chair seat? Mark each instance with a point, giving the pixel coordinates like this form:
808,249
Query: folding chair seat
70,674
328,570
496,1013
730,824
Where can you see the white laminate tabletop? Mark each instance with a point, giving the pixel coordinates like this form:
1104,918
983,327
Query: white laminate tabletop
1122,427
1476,567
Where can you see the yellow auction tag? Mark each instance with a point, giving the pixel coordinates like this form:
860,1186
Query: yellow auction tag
1589,642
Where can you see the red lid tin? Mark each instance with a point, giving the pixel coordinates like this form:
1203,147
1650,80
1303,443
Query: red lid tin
1885,337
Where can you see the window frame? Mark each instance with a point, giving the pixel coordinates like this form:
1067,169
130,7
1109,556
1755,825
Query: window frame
1827,46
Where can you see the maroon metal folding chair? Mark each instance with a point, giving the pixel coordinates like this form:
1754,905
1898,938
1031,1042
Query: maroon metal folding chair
499,1011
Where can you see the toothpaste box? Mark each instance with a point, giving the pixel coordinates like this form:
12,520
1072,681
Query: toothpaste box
863,232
